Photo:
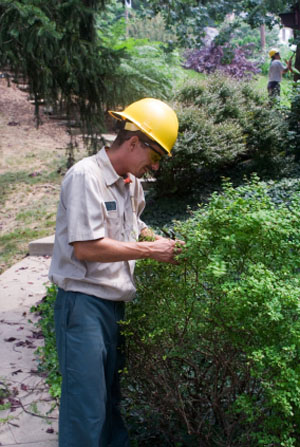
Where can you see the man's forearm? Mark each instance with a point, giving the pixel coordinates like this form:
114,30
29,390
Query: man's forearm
110,250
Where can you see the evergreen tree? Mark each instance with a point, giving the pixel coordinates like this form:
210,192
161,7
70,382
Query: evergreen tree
54,46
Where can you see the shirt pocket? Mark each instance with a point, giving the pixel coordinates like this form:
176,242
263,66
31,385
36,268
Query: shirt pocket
113,226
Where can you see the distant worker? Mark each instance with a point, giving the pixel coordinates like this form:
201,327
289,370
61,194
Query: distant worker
277,69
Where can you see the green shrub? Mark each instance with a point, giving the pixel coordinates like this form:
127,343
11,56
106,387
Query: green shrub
152,28
47,355
146,67
223,125
214,342
294,121
284,190
145,71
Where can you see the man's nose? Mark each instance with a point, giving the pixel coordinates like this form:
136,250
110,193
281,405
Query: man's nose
155,166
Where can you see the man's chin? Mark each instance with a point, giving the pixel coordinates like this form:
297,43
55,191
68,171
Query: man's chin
143,173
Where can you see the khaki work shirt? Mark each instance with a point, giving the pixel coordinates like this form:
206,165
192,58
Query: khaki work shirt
95,202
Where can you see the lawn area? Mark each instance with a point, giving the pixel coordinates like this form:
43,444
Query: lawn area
32,162
260,83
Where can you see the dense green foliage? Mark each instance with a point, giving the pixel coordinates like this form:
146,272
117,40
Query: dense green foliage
239,33
47,355
146,67
76,57
54,47
147,71
152,28
191,16
294,121
213,342
223,124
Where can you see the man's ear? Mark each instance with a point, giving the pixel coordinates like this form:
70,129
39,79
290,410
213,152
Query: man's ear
132,142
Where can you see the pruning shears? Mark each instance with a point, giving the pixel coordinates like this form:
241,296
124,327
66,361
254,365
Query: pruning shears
170,234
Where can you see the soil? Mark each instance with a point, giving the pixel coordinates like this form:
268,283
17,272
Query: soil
19,135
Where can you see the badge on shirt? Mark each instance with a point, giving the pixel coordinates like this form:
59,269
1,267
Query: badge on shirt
111,206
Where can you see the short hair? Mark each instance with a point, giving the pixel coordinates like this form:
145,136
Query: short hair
124,134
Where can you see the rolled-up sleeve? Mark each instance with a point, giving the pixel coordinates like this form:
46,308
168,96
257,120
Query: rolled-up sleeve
81,197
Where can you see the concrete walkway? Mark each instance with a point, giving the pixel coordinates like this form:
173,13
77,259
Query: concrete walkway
31,423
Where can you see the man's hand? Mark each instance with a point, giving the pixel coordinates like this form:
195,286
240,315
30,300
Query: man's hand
166,250
110,250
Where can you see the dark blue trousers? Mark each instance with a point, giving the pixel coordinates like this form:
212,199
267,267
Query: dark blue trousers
90,356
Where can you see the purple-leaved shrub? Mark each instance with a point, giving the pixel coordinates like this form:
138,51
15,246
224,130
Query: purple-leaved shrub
226,59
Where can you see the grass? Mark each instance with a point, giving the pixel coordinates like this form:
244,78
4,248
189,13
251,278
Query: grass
32,164
260,83
28,202
25,221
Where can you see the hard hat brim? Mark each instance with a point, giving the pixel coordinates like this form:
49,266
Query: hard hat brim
122,116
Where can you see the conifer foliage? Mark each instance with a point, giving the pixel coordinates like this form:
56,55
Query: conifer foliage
54,47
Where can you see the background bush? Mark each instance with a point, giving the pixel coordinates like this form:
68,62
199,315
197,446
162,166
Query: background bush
152,28
223,125
231,61
294,121
213,343
146,70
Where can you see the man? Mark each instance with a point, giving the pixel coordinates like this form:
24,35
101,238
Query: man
277,69
96,245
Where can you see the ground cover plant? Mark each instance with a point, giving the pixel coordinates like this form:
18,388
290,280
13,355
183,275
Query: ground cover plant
47,355
213,343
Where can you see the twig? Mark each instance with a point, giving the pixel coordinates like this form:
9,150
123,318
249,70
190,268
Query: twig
35,414
47,185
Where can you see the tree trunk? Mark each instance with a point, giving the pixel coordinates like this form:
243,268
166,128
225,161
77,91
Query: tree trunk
126,20
297,62
262,37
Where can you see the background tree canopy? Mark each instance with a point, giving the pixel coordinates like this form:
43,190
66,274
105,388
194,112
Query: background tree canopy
55,47
64,51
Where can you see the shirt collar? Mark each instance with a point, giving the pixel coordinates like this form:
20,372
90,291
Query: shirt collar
109,173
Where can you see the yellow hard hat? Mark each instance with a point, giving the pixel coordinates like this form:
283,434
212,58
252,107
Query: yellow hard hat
154,118
273,51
